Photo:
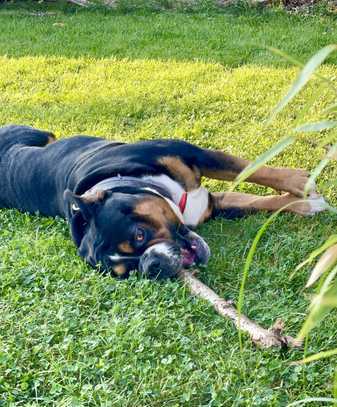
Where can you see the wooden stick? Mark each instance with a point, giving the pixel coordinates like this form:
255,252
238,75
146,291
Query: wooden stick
87,3
83,3
261,337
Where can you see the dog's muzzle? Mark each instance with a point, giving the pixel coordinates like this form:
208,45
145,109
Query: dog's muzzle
162,260
166,259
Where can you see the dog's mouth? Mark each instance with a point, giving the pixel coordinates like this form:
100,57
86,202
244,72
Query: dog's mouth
167,258
188,257
196,253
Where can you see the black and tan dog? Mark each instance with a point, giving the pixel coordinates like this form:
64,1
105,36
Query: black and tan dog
131,206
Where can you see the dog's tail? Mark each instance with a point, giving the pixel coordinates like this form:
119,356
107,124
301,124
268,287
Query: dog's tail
24,135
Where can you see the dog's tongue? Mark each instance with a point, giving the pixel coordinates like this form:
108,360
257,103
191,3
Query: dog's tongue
188,257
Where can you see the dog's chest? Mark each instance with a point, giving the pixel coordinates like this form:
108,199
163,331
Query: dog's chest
195,202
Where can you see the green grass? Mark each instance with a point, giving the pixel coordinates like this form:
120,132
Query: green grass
69,336
233,38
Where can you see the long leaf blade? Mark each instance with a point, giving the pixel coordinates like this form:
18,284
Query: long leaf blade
318,126
309,68
320,167
312,400
262,159
318,309
325,263
249,260
312,256
317,356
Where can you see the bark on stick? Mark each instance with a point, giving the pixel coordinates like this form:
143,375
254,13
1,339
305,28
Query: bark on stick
260,336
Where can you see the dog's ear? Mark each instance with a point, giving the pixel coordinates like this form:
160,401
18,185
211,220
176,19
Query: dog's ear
79,211
82,204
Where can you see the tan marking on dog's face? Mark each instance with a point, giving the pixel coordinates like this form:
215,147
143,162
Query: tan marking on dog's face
158,239
187,177
125,247
158,213
97,196
120,269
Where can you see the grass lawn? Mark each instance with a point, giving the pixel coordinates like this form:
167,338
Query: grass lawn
70,337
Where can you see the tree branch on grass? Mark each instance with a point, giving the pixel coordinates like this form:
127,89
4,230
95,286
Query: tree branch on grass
264,338
83,3
87,3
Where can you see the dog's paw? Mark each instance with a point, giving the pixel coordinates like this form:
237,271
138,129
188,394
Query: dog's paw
306,207
295,181
317,203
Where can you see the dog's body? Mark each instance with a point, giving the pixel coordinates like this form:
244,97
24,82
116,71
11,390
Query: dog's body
131,205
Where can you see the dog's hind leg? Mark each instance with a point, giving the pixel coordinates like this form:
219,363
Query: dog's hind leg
218,165
235,203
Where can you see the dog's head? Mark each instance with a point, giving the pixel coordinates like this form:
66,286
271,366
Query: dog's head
133,229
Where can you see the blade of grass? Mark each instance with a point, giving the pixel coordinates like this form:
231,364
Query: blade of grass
249,261
324,264
322,90
295,61
330,139
309,68
330,241
312,400
320,167
330,301
330,108
318,126
318,310
317,356
263,159
326,186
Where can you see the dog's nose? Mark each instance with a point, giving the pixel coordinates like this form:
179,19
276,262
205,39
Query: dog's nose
150,265
153,267
160,261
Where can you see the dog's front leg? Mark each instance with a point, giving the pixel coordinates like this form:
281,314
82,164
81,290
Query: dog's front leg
225,201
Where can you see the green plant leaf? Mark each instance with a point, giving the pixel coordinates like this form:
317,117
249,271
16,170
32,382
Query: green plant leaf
320,167
325,186
318,310
318,126
330,301
263,159
324,264
249,261
330,241
312,400
317,356
309,68
295,61
330,108
329,139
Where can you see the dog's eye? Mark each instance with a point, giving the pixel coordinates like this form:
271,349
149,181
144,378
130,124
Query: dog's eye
139,235
75,208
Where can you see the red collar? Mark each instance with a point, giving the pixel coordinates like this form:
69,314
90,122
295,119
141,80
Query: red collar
182,202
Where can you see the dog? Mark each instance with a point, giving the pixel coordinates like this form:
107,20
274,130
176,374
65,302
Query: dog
134,206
